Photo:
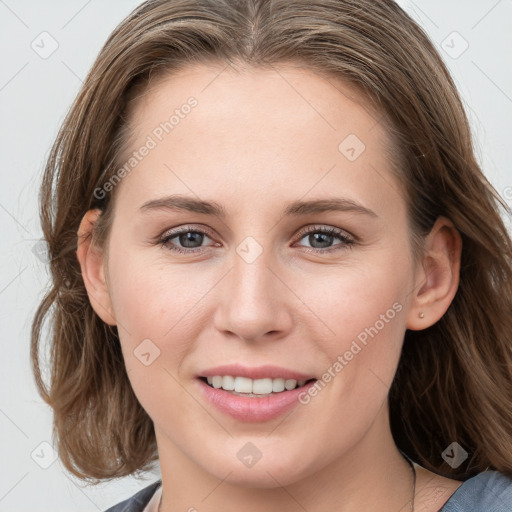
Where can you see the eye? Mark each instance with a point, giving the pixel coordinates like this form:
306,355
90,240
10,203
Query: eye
190,240
321,238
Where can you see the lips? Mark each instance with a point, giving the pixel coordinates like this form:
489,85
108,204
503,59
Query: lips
251,407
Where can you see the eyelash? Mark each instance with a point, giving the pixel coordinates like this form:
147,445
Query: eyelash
348,242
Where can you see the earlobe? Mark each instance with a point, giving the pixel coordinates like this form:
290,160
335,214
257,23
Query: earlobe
91,259
437,277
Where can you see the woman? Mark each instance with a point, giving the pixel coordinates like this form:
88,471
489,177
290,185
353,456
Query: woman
277,267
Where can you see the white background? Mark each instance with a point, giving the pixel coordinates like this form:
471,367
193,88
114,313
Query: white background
35,94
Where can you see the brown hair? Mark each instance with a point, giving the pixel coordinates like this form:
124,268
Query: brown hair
454,379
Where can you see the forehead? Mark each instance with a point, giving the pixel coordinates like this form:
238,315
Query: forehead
286,92
267,130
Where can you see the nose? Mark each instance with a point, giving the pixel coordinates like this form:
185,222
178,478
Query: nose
256,303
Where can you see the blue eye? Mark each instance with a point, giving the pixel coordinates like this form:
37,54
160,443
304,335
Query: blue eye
190,240
320,239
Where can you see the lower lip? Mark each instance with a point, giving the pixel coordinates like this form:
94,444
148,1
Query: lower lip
251,409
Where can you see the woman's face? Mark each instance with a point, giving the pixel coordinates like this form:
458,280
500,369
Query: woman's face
297,257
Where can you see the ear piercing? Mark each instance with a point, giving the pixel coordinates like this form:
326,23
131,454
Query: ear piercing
422,315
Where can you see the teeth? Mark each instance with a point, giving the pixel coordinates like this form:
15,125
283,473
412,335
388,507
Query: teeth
277,385
228,383
242,384
255,386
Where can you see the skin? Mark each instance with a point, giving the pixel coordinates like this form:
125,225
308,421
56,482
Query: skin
257,140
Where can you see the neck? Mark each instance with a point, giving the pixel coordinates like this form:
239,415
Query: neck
372,475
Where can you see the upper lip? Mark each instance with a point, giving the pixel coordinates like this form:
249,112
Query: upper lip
257,372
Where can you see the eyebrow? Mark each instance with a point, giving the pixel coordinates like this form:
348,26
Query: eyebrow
179,203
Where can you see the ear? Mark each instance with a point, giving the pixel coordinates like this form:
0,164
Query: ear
437,276
91,259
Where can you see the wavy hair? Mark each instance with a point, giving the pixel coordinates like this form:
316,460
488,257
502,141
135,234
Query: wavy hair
454,379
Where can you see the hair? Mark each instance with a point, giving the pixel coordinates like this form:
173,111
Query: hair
454,379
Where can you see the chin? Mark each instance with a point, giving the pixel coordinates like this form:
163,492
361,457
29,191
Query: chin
266,473
264,478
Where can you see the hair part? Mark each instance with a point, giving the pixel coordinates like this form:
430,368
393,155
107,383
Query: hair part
454,379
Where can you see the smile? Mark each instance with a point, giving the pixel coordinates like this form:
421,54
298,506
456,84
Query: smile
253,387
252,407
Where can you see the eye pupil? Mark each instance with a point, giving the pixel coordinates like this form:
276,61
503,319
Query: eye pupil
324,239
190,236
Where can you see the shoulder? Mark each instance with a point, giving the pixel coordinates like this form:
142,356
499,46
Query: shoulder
489,491
138,501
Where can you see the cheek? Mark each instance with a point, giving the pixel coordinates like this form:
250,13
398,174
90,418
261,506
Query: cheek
359,304
160,309
156,311
151,297
366,311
